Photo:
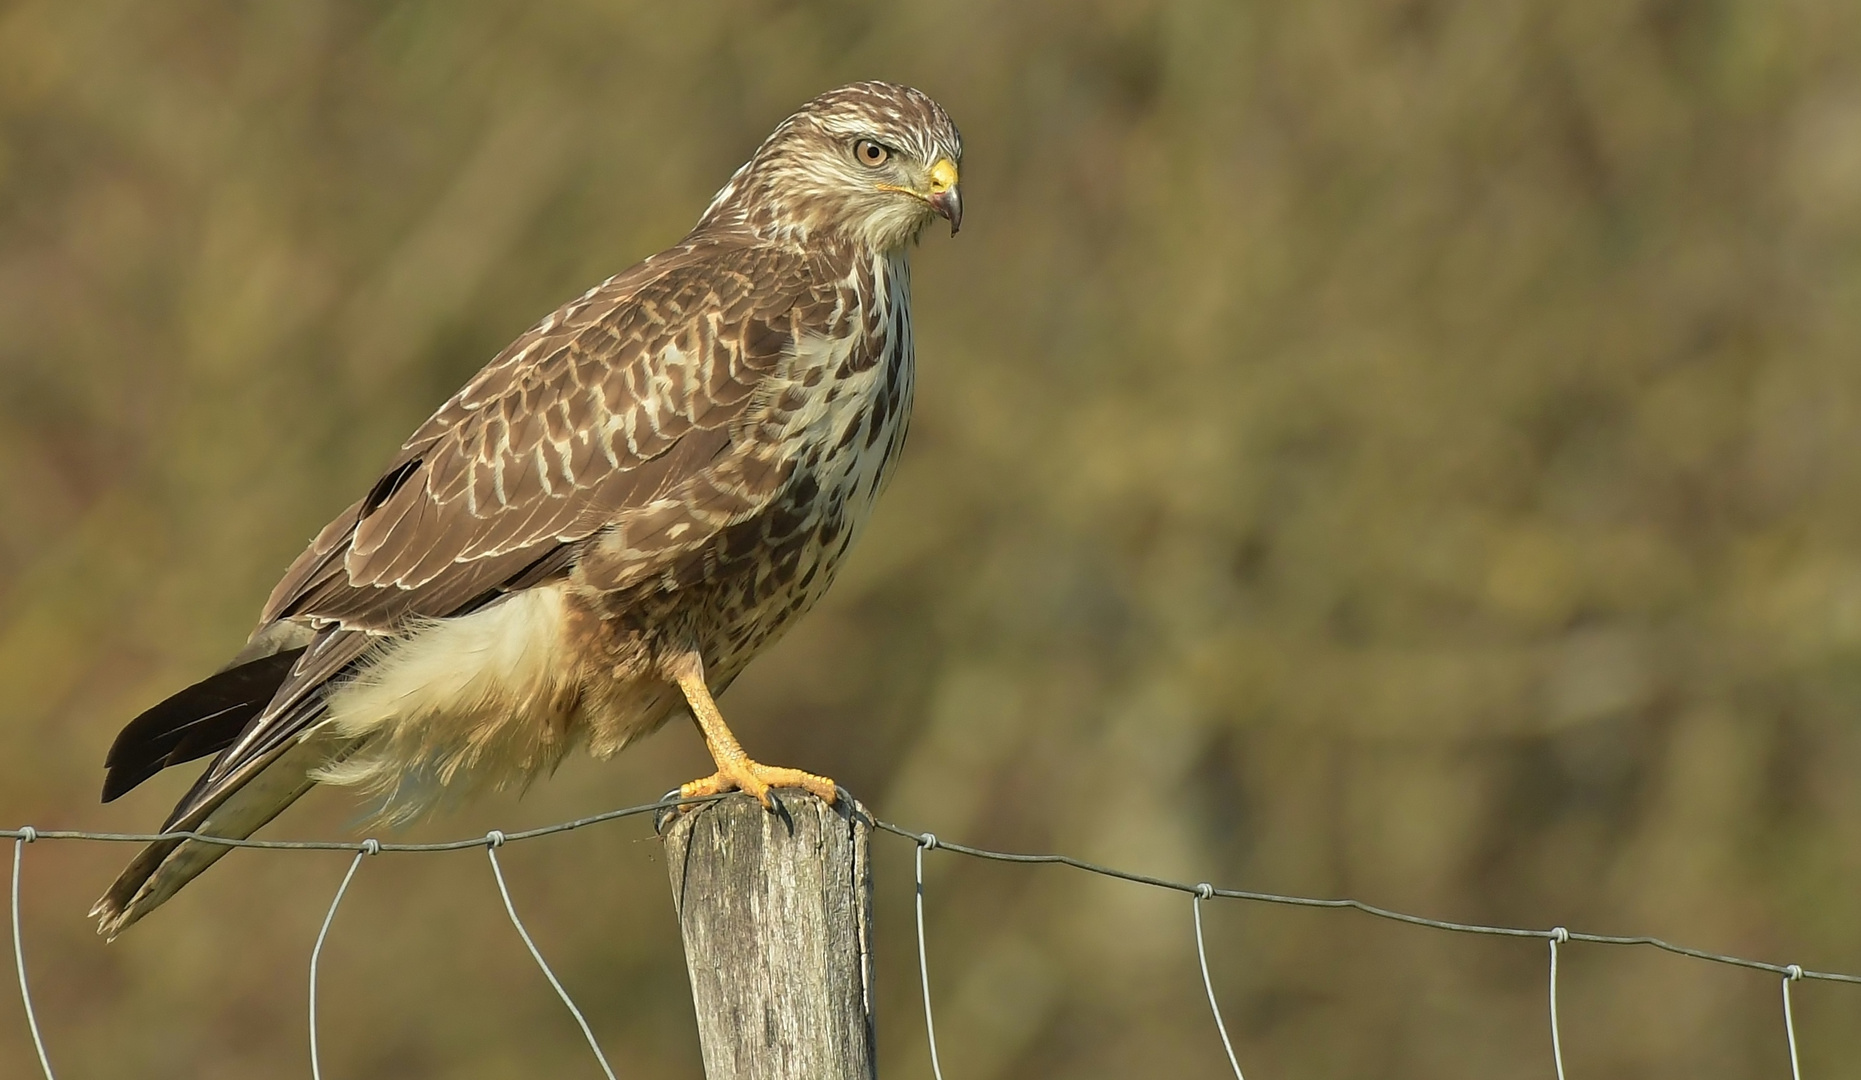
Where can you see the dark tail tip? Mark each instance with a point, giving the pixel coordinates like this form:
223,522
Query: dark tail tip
203,719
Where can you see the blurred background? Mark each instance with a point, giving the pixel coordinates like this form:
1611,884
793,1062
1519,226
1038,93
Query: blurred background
1397,448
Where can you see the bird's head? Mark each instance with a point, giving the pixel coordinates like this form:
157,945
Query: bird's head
872,162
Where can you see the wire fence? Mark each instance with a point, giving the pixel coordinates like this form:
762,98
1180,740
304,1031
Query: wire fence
924,842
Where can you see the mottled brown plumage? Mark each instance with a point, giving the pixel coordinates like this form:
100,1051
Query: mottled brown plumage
605,525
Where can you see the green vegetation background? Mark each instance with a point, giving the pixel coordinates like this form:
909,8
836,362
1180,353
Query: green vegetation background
1403,449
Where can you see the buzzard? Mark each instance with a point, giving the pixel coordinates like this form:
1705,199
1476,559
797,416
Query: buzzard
603,527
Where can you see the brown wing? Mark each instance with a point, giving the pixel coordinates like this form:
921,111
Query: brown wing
623,410
610,405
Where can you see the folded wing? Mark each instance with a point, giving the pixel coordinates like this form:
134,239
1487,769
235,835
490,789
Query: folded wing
627,409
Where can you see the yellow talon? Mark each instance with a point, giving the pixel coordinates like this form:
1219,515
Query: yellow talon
735,770
756,779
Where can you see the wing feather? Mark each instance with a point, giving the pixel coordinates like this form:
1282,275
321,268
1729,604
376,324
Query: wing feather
624,413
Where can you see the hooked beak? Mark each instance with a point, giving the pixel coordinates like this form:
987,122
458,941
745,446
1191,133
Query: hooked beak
943,196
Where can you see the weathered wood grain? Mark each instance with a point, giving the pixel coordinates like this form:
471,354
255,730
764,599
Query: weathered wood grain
776,913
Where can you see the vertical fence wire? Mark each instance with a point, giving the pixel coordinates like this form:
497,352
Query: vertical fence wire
1203,892
1559,935
928,840
369,847
1791,973
27,834
924,842
494,840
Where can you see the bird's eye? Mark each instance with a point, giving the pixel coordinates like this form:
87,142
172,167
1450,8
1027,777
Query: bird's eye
870,154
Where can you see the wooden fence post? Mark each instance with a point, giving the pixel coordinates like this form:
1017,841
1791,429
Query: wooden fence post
776,913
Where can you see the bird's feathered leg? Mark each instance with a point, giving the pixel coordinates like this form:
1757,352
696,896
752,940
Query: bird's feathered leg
735,769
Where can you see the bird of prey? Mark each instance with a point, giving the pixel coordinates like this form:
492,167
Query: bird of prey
603,527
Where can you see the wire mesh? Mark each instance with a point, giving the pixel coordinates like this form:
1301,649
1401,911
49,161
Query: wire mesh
1791,974
1203,892
22,837
923,841
494,840
316,953
926,841
1558,936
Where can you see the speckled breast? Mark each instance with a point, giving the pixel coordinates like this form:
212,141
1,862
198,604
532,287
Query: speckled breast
767,570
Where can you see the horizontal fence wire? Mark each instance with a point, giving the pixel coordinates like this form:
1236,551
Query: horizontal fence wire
1369,909
924,841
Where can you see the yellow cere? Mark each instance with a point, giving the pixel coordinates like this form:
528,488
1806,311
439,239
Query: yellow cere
943,176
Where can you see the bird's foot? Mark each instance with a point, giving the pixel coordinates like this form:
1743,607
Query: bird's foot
756,779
